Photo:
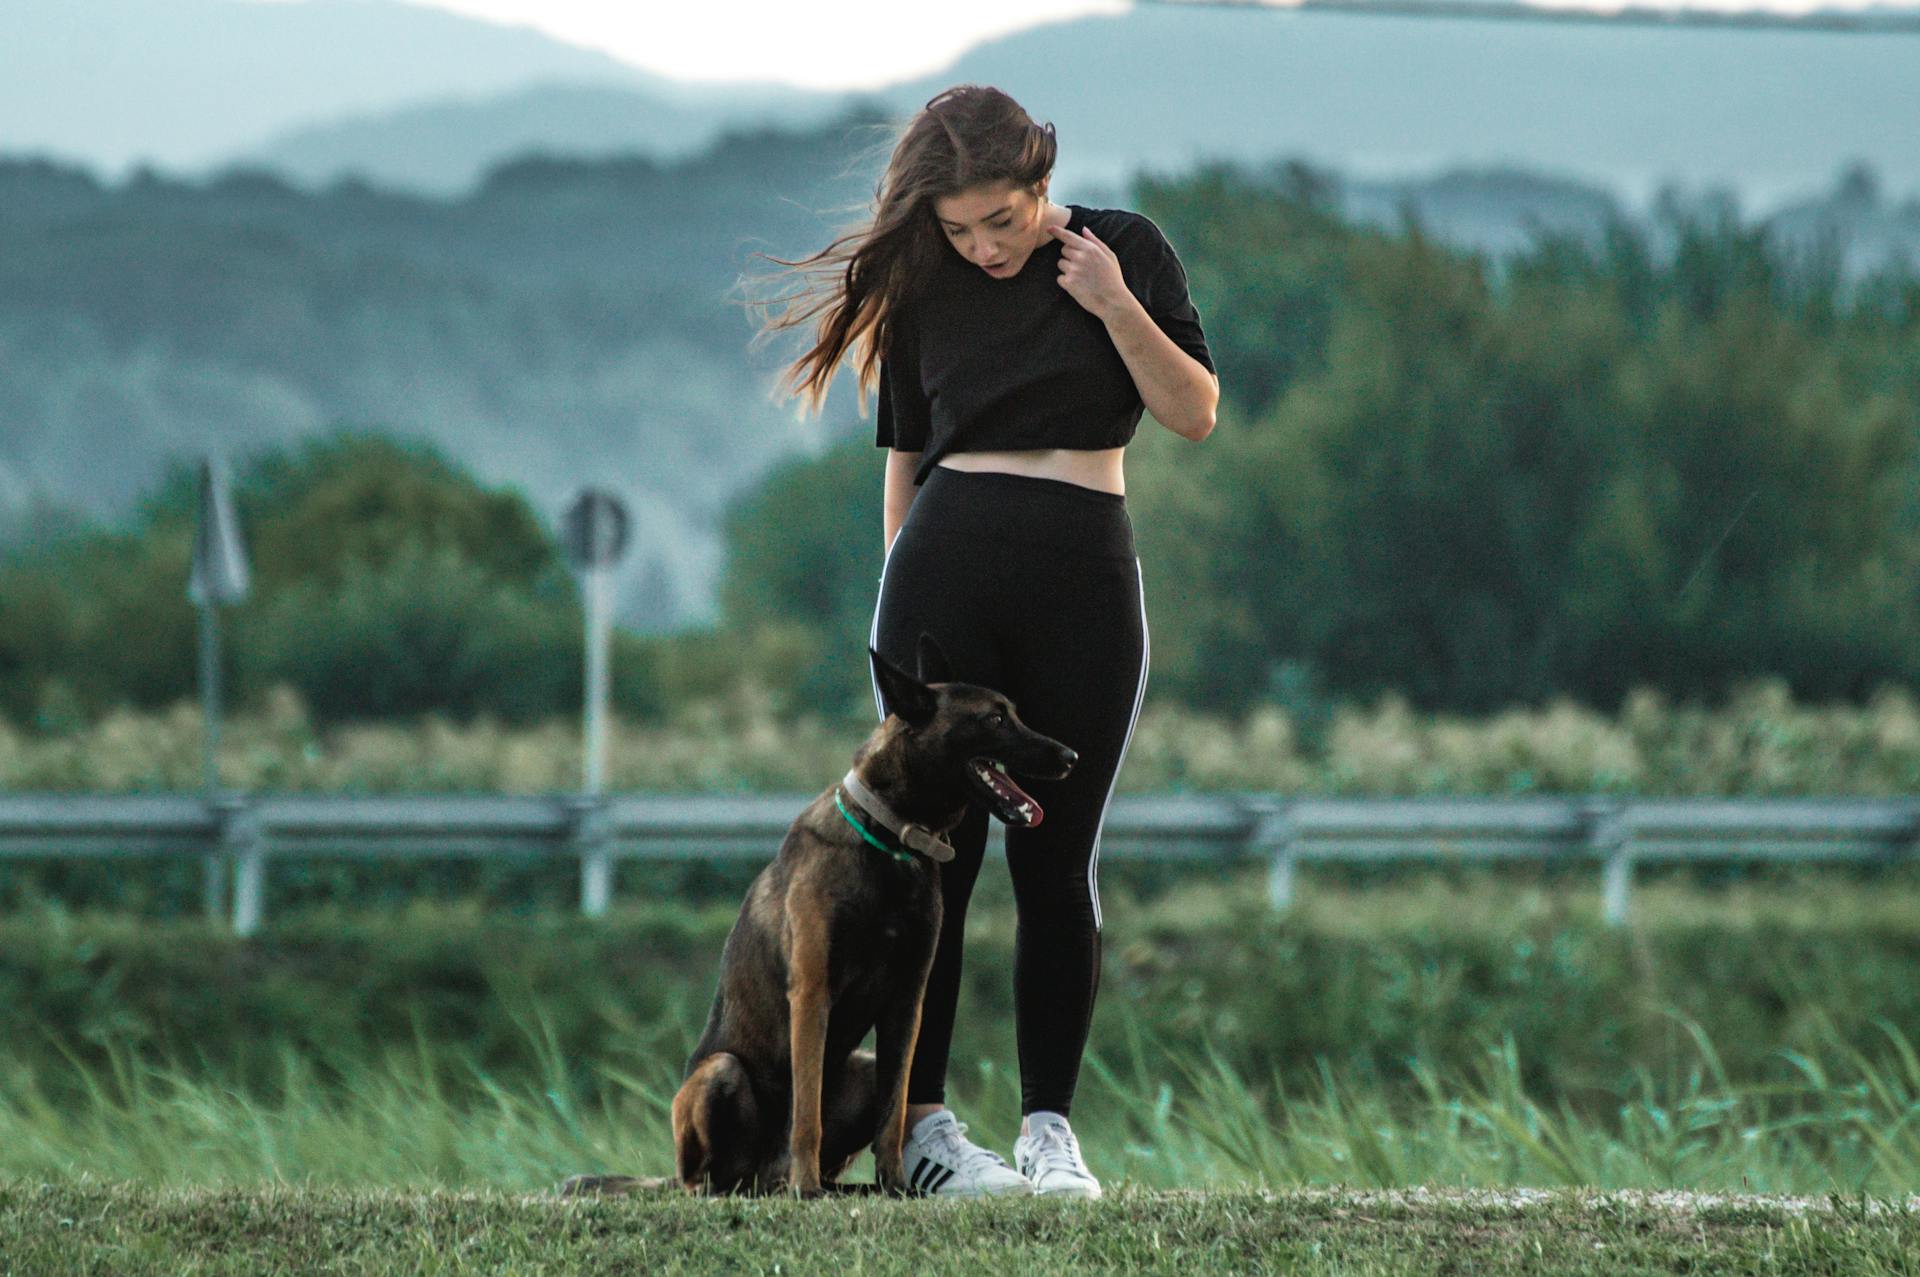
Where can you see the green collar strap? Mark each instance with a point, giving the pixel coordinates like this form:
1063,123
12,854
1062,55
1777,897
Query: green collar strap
911,834
904,856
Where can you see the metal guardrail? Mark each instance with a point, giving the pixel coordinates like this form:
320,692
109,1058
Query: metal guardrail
249,832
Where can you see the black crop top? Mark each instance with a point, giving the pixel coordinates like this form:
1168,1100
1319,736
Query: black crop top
979,364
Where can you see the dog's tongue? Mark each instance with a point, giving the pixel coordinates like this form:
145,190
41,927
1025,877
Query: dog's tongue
1024,811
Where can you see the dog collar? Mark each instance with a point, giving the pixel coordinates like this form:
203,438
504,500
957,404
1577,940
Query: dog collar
932,845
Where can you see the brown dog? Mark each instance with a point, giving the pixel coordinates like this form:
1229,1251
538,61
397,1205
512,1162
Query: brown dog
835,940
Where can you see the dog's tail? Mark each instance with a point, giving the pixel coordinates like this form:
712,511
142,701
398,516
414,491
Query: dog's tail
614,1185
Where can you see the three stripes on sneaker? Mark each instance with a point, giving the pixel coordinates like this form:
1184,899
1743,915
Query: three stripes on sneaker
929,1175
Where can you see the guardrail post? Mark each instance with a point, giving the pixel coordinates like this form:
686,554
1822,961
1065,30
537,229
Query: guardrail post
592,839
213,884
1607,837
243,841
1273,836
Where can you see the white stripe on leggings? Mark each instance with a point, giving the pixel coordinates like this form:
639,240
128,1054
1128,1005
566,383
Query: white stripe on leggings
1139,695
873,635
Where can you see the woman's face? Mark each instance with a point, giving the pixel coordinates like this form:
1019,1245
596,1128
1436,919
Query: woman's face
994,227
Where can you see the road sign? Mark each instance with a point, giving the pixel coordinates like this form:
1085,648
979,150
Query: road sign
219,555
594,531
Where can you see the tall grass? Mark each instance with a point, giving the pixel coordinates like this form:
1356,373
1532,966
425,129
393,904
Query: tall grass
1159,1114
1447,1029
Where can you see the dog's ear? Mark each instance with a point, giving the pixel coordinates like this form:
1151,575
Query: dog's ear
901,692
933,661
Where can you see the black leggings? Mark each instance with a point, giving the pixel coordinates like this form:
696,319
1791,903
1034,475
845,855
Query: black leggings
1032,587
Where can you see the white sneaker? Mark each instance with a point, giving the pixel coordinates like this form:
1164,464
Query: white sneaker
941,1162
1050,1158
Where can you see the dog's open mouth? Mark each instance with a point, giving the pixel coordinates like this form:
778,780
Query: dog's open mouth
1012,804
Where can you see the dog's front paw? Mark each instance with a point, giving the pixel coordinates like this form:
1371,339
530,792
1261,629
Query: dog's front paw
891,1178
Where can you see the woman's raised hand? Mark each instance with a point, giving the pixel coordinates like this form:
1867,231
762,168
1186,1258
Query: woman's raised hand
1090,271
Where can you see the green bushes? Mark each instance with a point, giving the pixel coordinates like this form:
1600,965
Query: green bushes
728,734
1587,469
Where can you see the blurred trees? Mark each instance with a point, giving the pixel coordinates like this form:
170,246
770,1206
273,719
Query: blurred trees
1602,466
1675,456
804,555
384,582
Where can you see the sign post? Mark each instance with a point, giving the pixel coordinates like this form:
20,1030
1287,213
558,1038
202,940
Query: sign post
594,535
219,576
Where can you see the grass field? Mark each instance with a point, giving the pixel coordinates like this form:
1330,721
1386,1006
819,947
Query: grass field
97,1228
390,1092
1470,1034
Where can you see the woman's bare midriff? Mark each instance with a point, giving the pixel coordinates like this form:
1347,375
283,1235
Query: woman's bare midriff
1098,468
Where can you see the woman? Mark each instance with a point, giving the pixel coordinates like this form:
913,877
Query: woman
1018,341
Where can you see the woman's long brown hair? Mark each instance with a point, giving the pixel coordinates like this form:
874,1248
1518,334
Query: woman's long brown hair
965,136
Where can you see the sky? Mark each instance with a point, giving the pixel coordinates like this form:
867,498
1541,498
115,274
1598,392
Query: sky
850,44
841,44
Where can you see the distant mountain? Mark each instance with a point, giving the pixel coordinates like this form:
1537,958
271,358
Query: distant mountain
443,147
411,97
1769,114
569,321
1872,229
182,84
1498,211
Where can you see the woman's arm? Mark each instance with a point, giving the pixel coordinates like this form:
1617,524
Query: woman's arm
1176,388
899,493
